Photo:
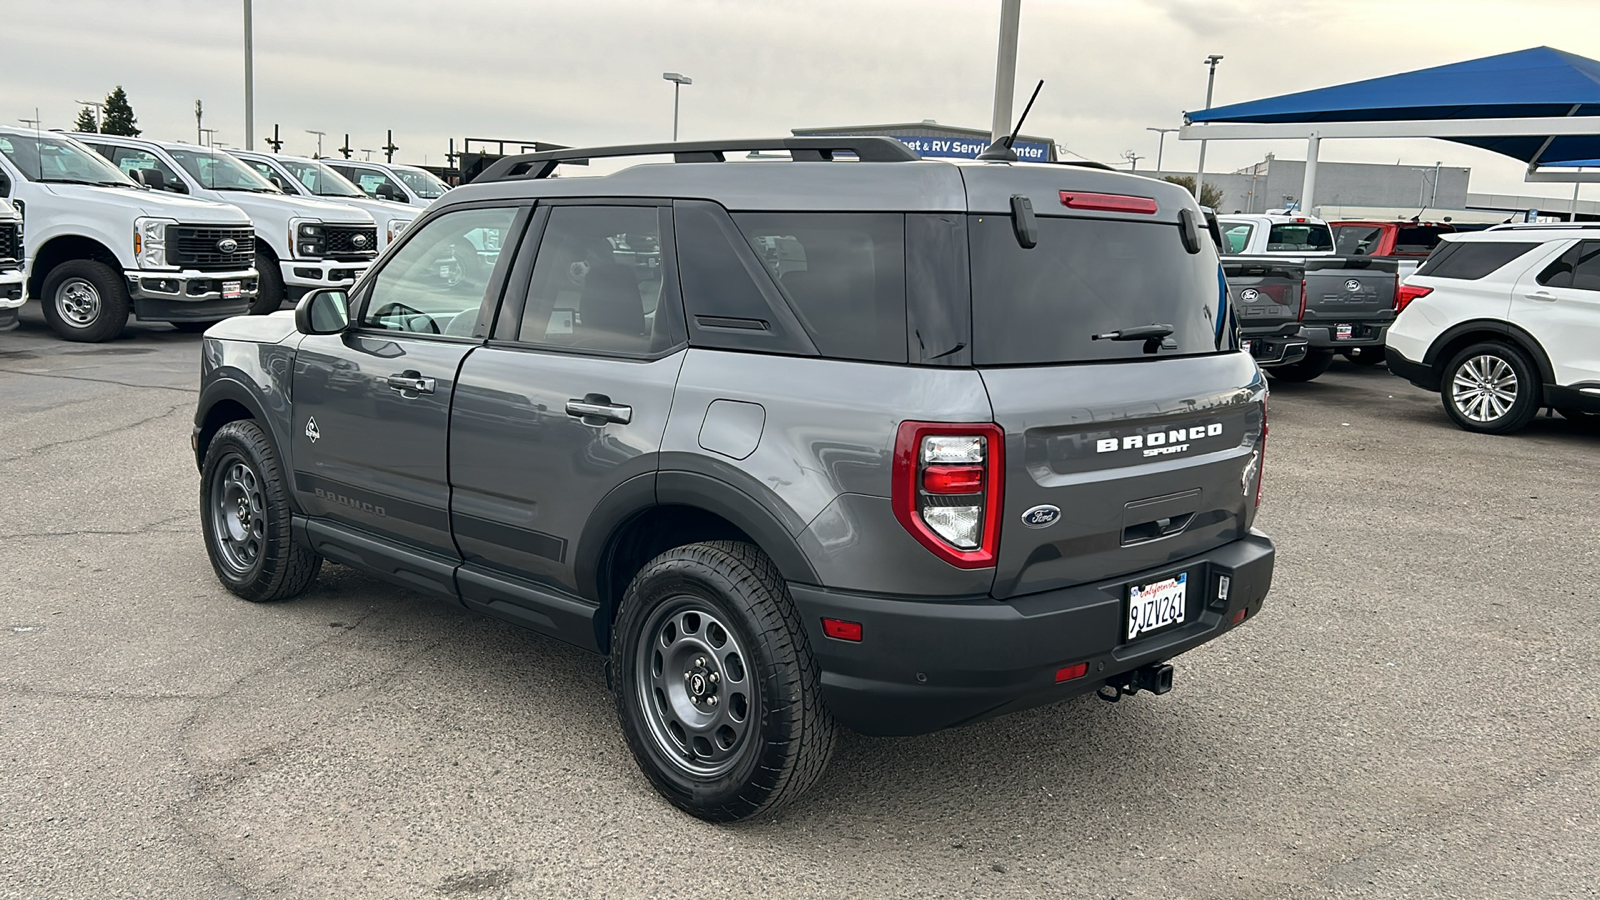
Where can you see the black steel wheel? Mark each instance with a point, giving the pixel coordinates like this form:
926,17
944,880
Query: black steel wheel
717,693
1491,388
244,513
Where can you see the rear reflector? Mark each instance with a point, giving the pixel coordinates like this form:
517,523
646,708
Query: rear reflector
952,479
1407,293
1108,202
1071,673
840,630
1237,618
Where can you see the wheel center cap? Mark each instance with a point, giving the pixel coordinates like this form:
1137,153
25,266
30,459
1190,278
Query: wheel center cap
697,684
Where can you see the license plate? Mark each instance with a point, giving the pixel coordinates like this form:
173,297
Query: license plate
1158,605
1345,332
232,290
1250,347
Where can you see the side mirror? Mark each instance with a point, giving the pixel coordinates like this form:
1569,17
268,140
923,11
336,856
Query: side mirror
150,178
279,183
385,192
322,312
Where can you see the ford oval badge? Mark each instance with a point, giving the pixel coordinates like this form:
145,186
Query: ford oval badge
1041,516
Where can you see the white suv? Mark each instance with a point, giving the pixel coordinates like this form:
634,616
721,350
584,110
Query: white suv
1504,323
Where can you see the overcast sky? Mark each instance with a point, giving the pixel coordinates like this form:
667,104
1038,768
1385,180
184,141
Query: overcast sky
589,72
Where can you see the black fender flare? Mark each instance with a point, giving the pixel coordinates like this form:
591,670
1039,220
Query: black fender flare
1518,336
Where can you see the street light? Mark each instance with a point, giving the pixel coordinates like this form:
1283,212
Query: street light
1161,143
319,135
208,137
98,105
1211,81
678,81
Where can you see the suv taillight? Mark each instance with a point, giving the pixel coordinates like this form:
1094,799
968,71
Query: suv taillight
947,489
1407,293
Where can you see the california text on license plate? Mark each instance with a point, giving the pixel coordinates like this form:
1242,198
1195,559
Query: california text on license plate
1154,606
1345,332
1249,346
232,290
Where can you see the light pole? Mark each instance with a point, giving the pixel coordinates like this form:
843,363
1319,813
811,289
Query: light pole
97,107
1005,69
249,81
678,81
319,135
1133,160
1211,81
1161,143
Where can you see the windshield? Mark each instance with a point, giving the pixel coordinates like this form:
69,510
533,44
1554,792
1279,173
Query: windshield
1089,277
319,179
422,183
56,159
221,172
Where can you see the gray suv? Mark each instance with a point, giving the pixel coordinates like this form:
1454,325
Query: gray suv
852,438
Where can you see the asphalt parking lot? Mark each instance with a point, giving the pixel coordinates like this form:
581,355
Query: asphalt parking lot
1412,715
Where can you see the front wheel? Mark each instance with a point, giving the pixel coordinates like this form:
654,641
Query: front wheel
269,286
86,301
717,693
1491,388
244,513
1315,363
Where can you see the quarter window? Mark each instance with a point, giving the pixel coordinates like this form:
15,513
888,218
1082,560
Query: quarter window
597,282
1578,268
438,280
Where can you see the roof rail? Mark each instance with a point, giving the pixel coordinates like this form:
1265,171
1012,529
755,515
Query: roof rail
866,148
1541,226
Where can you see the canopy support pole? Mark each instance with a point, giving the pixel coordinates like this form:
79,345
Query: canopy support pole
1308,190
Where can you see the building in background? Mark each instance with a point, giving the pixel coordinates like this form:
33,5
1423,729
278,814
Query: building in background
930,139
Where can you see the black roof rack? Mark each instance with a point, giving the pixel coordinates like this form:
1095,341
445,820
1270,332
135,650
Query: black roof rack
865,148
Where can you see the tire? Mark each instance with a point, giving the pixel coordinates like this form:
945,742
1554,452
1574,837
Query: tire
269,286
85,301
244,513
1315,363
717,693
193,327
1368,356
1490,388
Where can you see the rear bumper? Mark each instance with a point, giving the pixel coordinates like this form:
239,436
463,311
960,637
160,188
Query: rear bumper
1275,350
1582,397
926,665
1363,334
1419,374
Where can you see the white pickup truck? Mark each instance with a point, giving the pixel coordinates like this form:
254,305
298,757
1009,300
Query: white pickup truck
391,181
301,245
97,246
11,294
299,177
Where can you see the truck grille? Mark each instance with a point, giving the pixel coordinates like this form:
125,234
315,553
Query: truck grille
10,247
351,242
196,247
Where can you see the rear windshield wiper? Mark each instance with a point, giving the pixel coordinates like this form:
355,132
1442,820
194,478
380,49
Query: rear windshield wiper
1152,335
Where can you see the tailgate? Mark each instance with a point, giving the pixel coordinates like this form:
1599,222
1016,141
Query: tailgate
1266,293
1147,461
1342,290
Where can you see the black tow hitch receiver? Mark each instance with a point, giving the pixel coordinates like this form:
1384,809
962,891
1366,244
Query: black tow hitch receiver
1155,678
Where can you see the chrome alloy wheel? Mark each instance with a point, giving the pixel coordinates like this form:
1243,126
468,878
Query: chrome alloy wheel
78,302
238,518
1484,388
696,693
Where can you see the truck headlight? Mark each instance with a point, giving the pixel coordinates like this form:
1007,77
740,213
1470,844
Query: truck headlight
306,239
396,226
150,242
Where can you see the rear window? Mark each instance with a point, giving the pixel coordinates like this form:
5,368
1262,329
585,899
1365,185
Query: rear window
1356,240
1418,240
1299,237
1470,260
1088,277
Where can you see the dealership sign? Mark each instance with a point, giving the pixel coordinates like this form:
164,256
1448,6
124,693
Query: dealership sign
968,148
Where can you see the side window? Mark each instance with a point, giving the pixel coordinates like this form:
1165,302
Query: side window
265,171
1559,273
1238,237
844,274
1586,270
129,160
436,282
597,281
1471,260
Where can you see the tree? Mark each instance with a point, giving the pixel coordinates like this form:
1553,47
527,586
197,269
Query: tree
119,118
1210,195
85,122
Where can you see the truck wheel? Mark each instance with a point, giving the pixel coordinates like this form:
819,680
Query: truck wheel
1315,363
244,512
85,300
717,692
1491,388
269,286
1366,356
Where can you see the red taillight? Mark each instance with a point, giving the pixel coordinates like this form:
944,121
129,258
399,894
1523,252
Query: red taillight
1238,616
840,630
1070,673
1302,316
947,489
1407,293
1108,202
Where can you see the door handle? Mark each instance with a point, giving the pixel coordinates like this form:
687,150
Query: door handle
599,407
1540,295
411,380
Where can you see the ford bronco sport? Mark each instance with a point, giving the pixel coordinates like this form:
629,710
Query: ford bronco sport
853,438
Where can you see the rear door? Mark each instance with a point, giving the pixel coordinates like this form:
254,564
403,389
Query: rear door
1141,454
1560,306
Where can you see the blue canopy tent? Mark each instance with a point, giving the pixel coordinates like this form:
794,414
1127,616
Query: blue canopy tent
1540,106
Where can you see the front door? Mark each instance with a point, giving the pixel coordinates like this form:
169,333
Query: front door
1561,308
372,405
570,401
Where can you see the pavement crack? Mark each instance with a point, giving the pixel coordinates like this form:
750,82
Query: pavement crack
94,532
26,690
110,381
35,451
